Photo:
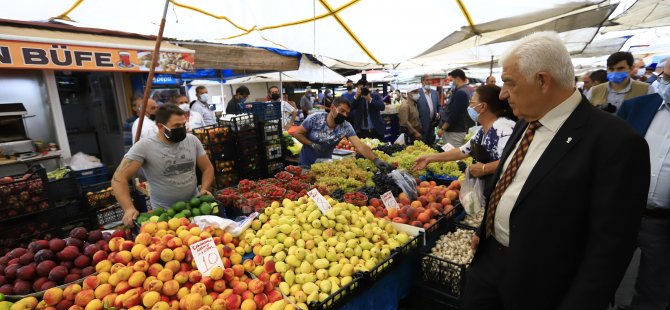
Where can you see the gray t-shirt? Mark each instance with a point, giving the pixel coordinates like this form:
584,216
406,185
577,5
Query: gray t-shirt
169,168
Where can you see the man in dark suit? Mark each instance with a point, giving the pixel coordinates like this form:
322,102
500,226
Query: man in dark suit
561,222
650,116
365,113
428,104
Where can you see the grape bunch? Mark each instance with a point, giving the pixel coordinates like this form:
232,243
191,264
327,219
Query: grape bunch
370,191
390,149
337,194
385,183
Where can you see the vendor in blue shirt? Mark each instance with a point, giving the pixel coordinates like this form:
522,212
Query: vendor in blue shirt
321,132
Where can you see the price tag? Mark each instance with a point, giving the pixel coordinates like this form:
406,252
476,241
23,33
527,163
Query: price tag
389,201
320,201
447,147
206,256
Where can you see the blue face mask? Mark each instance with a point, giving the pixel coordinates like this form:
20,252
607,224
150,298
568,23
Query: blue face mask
617,77
664,90
474,115
242,100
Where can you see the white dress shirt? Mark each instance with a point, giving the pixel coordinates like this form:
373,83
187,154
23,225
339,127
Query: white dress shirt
551,123
429,98
658,138
207,115
195,120
149,128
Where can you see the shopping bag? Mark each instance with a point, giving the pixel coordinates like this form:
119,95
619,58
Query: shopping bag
472,193
400,140
406,182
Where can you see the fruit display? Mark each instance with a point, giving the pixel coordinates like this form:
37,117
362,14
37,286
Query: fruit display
101,198
157,271
48,263
433,202
20,195
348,174
202,205
390,149
58,173
292,145
345,144
372,143
318,253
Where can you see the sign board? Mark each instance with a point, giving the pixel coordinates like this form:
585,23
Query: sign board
46,56
206,256
389,201
320,201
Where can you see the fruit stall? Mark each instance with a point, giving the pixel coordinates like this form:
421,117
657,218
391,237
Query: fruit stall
341,235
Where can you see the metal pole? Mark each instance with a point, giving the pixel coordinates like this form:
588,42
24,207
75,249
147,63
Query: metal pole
491,68
281,87
152,70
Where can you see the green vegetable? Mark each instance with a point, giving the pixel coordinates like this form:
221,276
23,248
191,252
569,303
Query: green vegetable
179,215
187,213
195,202
207,198
170,212
205,209
159,211
179,206
195,212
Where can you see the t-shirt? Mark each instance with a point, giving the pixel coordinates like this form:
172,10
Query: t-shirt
319,132
149,128
494,140
306,104
169,168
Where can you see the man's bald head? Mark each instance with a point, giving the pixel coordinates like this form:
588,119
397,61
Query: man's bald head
151,106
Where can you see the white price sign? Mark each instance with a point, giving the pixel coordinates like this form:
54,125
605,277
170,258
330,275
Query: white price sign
206,256
389,201
320,201
447,147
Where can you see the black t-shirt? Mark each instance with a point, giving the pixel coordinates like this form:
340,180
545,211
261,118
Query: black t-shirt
457,111
233,106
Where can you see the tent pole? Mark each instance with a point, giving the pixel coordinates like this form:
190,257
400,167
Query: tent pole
152,70
491,67
222,97
281,87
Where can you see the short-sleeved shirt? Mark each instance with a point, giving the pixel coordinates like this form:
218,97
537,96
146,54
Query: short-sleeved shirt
149,128
494,140
319,132
208,115
169,168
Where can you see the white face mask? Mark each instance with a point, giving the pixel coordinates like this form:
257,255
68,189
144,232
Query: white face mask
204,97
426,87
641,71
184,107
416,97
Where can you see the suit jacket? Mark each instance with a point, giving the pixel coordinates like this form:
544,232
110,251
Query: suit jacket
427,128
374,109
640,111
574,226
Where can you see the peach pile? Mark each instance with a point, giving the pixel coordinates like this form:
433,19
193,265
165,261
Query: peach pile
157,271
433,202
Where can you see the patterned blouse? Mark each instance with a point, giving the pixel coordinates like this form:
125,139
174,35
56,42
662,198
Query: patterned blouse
494,140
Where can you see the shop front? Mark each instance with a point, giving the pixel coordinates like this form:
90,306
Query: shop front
75,86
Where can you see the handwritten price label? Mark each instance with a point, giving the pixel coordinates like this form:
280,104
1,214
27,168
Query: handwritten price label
389,201
206,256
320,201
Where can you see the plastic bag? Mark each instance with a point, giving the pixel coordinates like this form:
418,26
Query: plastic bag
81,161
406,182
400,140
472,193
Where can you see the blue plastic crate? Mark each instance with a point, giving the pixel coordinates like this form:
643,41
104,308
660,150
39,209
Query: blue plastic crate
92,176
264,111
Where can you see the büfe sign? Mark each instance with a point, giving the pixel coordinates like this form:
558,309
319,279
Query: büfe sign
206,256
31,55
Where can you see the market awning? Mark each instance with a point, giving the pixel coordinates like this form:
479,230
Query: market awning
642,14
309,71
219,56
25,47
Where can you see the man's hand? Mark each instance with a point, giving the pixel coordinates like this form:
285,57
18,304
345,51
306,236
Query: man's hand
129,215
382,165
476,170
445,126
421,163
417,136
474,242
319,147
204,192
368,98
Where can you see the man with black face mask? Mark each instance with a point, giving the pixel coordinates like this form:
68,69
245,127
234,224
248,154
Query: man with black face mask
288,112
351,93
168,160
320,132
148,126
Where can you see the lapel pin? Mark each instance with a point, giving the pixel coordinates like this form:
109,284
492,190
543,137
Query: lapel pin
569,140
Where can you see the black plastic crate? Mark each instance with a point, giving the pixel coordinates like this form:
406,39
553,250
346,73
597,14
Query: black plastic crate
201,134
379,270
62,189
448,277
275,166
101,199
428,296
341,296
109,215
273,150
413,243
223,166
239,123
226,179
93,176
263,111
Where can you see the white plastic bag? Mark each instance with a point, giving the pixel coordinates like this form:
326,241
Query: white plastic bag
81,161
234,228
406,182
472,193
400,140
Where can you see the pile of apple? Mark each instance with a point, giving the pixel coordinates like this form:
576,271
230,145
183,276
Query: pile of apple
48,263
318,253
433,202
157,271
345,144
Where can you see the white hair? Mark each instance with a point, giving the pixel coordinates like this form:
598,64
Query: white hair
542,51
